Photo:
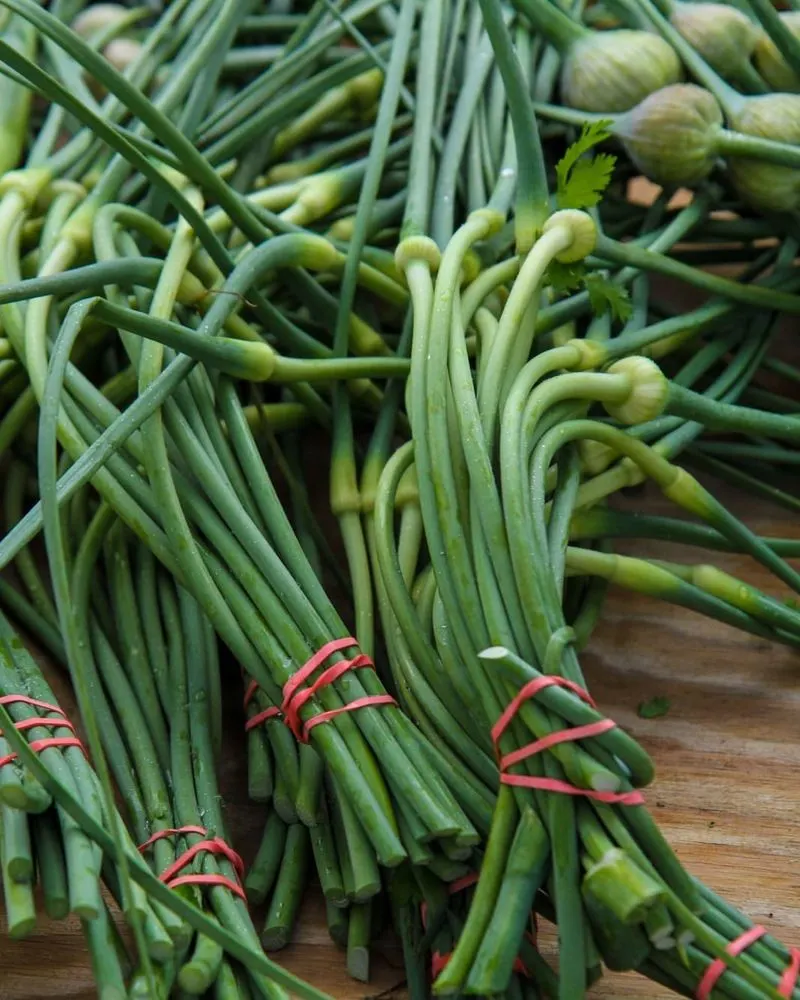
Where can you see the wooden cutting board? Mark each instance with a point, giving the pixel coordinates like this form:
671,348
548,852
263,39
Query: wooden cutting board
726,794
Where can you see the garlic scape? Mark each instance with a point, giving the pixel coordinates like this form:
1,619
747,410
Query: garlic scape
782,31
676,136
771,64
724,36
604,70
768,186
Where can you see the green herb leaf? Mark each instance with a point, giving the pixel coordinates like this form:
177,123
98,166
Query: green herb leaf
605,296
587,181
654,708
580,183
565,277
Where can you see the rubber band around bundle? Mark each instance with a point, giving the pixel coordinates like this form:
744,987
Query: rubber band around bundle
214,845
568,735
438,959
48,742
264,716
788,981
296,695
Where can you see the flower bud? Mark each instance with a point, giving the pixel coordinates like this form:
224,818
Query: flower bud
614,70
595,456
771,64
648,393
763,185
723,35
98,17
417,248
671,134
121,52
364,89
582,229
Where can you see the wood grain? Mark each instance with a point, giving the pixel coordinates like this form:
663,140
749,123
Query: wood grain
726,794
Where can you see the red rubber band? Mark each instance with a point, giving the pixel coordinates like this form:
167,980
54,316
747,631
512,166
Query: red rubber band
370,700
250,692
459,884
259,717
308,668
208,880
553,739
52,741
292,706
632,798
11,699
40,721
172,832
214,845
264,716
789,979
439,960
295,695
528,691
718,966
713,973
38,745
519,965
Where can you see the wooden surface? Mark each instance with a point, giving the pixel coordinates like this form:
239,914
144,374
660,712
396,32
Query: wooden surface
726,793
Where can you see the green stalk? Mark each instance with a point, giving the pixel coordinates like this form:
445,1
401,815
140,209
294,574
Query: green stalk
16,483
358,938
104,952
498,845
721,416
756,295
198,974
51,865
17,850
323,846
419,171
288,891
363,870
559,29
785,40
267,861
604,522
528,858
533,200
480,57
731,100
133,647
337,919
233,944
345,499
18,896
82,859
15,99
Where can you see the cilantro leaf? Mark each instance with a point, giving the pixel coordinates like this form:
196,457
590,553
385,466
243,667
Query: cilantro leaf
605,296
592,134
587,181
580,183
654,708
565,277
